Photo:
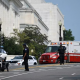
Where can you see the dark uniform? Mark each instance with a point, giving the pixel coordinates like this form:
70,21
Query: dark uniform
61,54
26,50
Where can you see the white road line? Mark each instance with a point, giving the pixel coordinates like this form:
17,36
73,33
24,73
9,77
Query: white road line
48,67
59,67
66,67
61,78
42,69
51,69
16,73
32,69
77,66
73,74
30,72
17,70
12,76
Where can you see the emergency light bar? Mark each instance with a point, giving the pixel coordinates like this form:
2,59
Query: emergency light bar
53,43
58,43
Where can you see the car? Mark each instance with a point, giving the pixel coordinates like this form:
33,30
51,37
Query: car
3,54
18,60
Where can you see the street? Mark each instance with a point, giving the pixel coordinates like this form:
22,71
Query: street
68,71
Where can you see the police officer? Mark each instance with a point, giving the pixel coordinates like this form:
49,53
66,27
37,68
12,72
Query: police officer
61,51
26,56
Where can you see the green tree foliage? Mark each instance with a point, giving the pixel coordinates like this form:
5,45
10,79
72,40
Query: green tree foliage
20,37
11,47
33,38
68,35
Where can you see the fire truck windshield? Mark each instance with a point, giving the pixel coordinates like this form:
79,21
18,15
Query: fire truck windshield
51,49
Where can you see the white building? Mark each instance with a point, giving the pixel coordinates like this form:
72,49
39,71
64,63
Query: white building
30,17
51,15
9,15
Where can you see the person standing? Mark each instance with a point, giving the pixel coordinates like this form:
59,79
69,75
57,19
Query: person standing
61,51
26,56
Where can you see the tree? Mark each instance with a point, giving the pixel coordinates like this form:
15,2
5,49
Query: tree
35,35
68,35
33,38
11,47
20,36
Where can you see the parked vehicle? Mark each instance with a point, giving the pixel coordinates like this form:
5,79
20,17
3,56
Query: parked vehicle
18,60
3,54
3,64
72,53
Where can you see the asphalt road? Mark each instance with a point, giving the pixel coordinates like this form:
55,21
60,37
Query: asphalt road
67,71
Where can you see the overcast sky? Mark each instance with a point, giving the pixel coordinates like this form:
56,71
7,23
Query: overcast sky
71,11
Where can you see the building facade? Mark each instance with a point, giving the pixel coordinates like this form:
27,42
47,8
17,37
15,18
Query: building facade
30,18
51,15
9,15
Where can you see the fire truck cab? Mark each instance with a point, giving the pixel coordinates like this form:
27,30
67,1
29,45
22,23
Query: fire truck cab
72,52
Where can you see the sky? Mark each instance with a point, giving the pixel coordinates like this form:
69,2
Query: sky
71,11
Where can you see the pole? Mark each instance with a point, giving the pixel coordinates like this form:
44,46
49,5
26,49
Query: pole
0,36
60,38
0,32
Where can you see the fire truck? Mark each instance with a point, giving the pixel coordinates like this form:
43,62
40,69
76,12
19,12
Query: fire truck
72,52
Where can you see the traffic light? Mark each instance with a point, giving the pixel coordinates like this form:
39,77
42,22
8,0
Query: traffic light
2,40
60,38
0,27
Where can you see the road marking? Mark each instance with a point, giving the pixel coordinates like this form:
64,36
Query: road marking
17,70
51,69
66,67
73,74
59,67
44,66
35,67
61,78
32,70
16,73
48,67
42,69
13,76
77,66
25,73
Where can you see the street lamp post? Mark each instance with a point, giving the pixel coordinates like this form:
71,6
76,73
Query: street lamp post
60,24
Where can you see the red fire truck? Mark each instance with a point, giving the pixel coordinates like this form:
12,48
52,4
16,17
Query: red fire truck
72,53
